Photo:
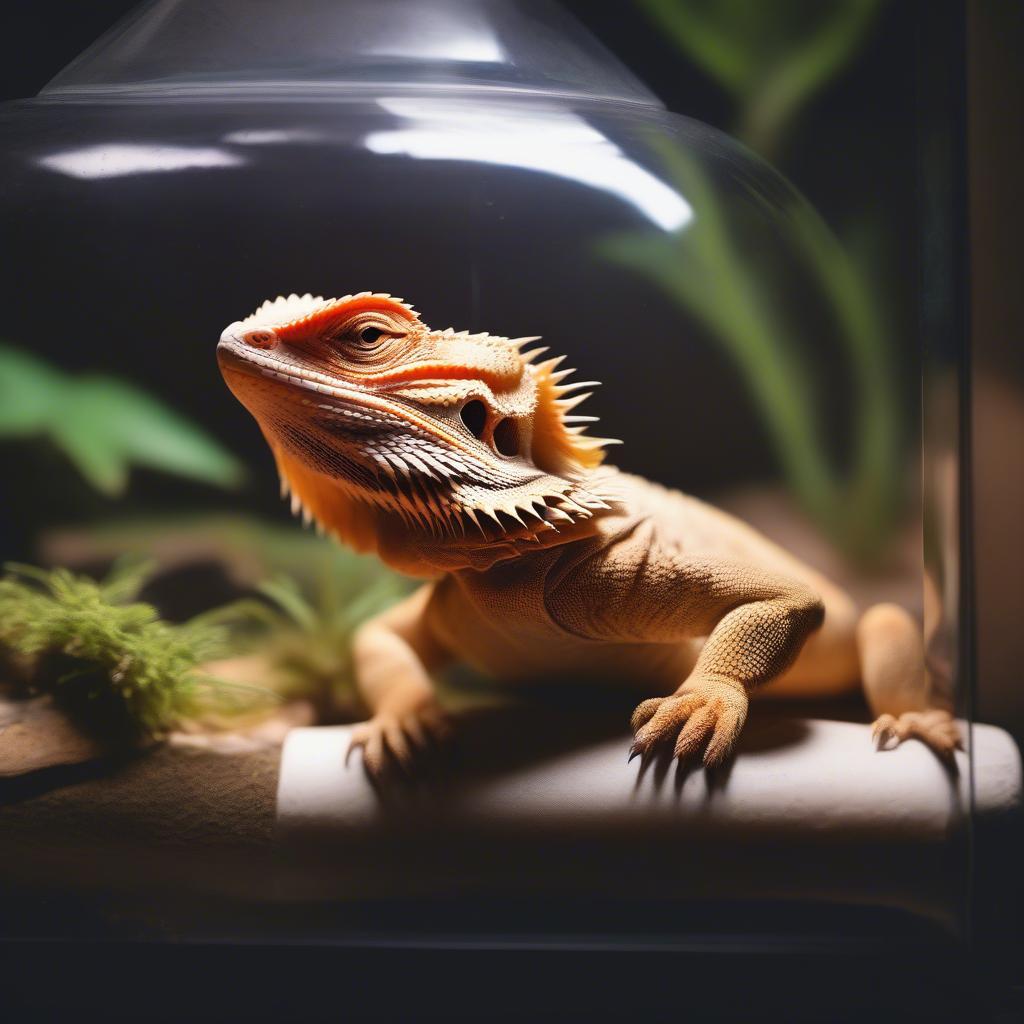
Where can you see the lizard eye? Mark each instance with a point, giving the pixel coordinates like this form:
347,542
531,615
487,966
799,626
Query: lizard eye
367,338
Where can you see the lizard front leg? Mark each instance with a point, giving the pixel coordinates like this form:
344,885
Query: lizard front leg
393,656
755,622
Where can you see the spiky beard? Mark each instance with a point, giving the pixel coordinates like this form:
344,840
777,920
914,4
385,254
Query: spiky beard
443,497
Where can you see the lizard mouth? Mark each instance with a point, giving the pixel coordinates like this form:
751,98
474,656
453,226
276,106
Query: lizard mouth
322,398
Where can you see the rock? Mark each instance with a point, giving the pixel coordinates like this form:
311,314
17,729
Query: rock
35,733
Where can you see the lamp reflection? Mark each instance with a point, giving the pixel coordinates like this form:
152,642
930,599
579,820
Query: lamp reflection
557,142
120,159
454,31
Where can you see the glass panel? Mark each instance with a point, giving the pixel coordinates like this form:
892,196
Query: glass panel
497,168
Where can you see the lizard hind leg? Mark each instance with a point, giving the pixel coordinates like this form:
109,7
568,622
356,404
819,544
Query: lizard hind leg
896,683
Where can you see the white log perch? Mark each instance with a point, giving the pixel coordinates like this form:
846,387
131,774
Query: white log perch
808,809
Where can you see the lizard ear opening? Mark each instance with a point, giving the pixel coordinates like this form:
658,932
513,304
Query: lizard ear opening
506,437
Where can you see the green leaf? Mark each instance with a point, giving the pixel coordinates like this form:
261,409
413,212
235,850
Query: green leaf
788,83
85,443
30,393
105,426
287,595
771,57
705,271
714,47
133,428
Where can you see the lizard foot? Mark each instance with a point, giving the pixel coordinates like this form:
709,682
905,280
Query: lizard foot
935,728
704,714
392,742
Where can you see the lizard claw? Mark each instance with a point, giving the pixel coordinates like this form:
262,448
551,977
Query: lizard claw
935,728
705,715
390,743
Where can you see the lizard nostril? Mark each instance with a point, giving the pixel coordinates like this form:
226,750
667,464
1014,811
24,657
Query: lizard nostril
474,416
260,339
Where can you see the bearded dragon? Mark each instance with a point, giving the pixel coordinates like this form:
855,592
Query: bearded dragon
458,458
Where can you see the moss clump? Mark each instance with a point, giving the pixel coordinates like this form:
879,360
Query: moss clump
110,660
304,596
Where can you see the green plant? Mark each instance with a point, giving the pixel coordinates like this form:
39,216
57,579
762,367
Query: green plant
307,630
770,57
249,549
313,593
703,268
110,660
105,425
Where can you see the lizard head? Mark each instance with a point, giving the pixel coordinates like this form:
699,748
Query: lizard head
439,450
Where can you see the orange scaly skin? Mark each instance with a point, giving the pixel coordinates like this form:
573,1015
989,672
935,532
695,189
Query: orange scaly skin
456,457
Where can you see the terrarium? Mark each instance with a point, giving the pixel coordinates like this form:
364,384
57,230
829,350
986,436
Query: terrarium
497,168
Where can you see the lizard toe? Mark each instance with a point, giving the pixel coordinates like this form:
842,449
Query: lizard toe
666,721
936,728
393,747
695,731
645,712
723,739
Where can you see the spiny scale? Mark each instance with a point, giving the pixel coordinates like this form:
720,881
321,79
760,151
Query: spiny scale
287,310
443,515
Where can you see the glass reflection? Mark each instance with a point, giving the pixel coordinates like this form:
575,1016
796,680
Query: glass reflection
551,141
121,159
